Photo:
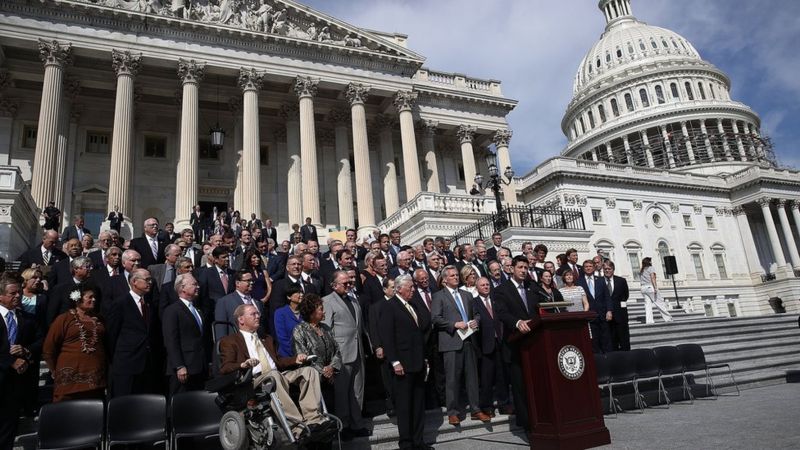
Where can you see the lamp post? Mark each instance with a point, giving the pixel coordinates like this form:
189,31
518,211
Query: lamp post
495,182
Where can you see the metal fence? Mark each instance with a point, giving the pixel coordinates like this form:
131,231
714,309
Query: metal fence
521,217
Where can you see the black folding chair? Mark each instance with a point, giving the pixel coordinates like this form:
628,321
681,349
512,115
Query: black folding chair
694,360
646,369
671,363
194,414
137,419
601,367
621,370
71,424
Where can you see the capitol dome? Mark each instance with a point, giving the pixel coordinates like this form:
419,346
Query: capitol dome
644,96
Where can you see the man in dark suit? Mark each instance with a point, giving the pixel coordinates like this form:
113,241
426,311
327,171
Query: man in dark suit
227,305
452,311
191,251
197,222
497,244
308,232
101,275
118,286
149,247
115,219
294,269
58,300
52,217
20,339
134,340
617,289
215,282
571,264
46,250
61,271
600,303
183,339
269,231
310,272
423,302
75,231
517,302
403,267
166,293
104,241
403,337
468,258
493,371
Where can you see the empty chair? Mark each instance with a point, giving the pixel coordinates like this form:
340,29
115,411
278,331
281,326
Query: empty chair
137,419
646,368
621,370
670,362
694,359
71,424
601,367
194,414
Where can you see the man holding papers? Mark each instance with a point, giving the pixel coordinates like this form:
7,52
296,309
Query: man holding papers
456,321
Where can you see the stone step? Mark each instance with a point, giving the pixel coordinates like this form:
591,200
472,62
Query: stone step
743,335
709,324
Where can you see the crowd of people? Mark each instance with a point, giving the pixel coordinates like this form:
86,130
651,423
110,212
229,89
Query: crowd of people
162,313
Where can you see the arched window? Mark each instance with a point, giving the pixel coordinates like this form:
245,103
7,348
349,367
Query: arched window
713,91
663,250
633,250
660,95
702,91
629,102
689,92
644,98
696,253
675,44
602,111
642,47
614,107
664,43
630,48
674,88
591,120
590,68
719,258
653,44
619,53
583,125
608,57
606,247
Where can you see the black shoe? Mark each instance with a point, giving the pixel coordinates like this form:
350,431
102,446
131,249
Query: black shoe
361,432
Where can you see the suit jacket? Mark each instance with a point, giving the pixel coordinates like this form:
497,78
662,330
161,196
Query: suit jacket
59,273
278,299
345,326
132,338
196,256
12,384
276,267
620,295
509,307
34,256
270,233
445,314
142,245
600,302
211,289
233,352
374,324
59,302
491,253
490,328
566,268
115,220
223,312
403,339
71,232
167,296
158,271
395,272
308,233
183,340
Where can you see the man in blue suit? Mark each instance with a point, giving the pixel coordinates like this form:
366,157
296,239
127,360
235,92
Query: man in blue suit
600,303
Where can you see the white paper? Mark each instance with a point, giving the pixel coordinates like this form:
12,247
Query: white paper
463,334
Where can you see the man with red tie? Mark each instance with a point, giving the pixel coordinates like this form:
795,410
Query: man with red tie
494,377
571,264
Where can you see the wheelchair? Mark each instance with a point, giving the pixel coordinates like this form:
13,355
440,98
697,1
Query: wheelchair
251,423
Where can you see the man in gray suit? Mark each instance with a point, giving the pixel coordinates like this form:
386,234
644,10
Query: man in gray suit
223,311
452,311
343,316
164,273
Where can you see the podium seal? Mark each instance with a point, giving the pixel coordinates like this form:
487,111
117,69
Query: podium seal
570,362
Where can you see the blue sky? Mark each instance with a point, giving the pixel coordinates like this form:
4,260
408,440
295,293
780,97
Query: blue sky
534,47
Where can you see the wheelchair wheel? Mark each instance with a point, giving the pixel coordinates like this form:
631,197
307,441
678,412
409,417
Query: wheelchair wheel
233,433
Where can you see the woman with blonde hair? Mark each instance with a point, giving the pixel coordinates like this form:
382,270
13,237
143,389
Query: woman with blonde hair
647,278
469,279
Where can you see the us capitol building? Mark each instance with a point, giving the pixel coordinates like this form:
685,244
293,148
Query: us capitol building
273,108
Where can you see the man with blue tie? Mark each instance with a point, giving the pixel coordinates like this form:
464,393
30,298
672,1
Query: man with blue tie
183,339
600,303
452,311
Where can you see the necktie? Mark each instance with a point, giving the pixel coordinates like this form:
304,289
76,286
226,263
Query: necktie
263,357
248,300
46,257
412,312
154,248
460,306
143,308
80,234
610,284
224,278
196,317
590,281
524,296
11,324
428,300
488,305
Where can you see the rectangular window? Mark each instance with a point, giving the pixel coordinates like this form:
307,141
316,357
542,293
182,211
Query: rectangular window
710,222
155,147
633,258
602,111
29,136
625,217
205,150
263,154
591,119
687,221
98,142
720,260
597,215
698,266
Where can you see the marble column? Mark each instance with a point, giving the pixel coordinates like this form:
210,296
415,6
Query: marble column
290,114
593,152
69,170
465,134
668,147
235,107
739,143
777,251
190,73
687,142
391,197
56,57
344,182
626,143
750,251
72,88
609,152
501,139
725,145
707,141
306,89
404,102
796,214
126,65
356,94
429,149
250,81
648,152
794,256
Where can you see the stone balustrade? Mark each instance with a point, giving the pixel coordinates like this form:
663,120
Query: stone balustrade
441,204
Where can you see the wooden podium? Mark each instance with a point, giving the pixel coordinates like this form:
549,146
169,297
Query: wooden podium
563,401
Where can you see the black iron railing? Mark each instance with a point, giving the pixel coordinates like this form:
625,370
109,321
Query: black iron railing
521,217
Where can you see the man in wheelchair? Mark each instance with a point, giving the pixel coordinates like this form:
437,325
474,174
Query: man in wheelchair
244,351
